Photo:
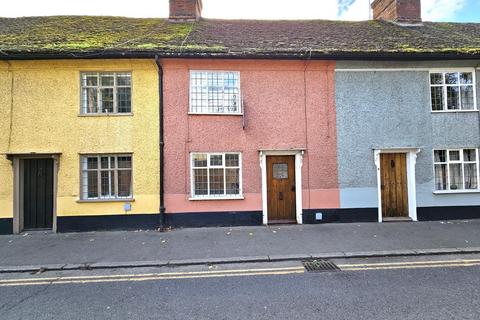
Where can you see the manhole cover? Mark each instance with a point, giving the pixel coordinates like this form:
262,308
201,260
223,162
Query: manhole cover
320,266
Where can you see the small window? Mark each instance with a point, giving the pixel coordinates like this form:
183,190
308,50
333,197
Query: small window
106,177
215,92
106,92
216,175
452,91
456,169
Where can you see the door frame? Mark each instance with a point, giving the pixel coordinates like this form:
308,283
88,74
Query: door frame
18,187
298,153
411,155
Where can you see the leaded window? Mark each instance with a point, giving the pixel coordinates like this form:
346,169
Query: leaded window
452,91
106,177
456,169
216,175
106,92
215,92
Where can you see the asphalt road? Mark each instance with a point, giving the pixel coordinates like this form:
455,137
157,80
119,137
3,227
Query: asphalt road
385,290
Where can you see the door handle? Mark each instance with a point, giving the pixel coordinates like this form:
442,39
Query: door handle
293,189
280,196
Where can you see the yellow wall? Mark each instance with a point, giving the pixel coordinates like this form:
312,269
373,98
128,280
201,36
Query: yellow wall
46,104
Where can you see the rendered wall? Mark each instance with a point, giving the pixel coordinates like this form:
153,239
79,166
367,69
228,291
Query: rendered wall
391,109
289,105
45,100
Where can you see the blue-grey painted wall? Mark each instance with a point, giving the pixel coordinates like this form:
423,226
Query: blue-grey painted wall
391,109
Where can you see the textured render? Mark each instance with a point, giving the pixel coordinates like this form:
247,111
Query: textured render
391,109
46,119
275,101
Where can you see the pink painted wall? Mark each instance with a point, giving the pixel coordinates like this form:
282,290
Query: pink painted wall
289,105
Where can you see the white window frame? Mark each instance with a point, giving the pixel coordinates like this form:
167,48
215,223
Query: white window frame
238,196
99,86
462,162
444,89
115,197
239,112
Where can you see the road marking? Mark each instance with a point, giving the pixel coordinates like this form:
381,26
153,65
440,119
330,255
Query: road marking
151,276
410,265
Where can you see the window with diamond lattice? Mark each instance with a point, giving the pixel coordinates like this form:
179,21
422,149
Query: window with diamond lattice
216,175
106,92
215,92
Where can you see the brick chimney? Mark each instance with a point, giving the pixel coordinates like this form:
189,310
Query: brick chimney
185,10
401,11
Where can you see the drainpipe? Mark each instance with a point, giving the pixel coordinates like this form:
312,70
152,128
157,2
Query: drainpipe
162,141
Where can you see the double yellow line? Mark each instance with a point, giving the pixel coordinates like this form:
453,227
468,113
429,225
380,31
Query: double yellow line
150,276
410,265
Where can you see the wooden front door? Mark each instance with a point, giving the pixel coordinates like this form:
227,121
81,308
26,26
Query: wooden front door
281,189
37,193
394,186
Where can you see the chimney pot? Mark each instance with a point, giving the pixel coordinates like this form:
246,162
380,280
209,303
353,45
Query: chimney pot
185,10
400,11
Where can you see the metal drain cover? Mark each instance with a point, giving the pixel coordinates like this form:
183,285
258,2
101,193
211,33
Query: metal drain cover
320,266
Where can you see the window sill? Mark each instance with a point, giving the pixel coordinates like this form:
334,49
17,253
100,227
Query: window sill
456,191
106,200
214,114
453,111
216,198
129,114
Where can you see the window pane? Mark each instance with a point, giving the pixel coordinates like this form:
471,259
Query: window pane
471,176
89,79
200,181
466,78
436,78
469,155
123,79
104,162
216,160
92,163
124,183
231,160
216,181
437,98
107,80
123,99
92,184
454,155
456,179
451,78
106,100
125,162
453,98
467,97
106,178
89,100
441,177
233,181
199,160
440,155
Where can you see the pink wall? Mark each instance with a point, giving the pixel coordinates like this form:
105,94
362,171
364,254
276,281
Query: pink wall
277,96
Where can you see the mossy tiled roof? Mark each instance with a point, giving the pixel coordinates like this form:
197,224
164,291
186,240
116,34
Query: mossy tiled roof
90,36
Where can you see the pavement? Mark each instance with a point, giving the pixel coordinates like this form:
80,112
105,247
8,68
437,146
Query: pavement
123,249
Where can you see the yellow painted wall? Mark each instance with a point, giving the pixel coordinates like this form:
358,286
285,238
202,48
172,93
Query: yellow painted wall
45,119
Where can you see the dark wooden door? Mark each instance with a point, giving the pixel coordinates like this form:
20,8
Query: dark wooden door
394,187
281,189
37,193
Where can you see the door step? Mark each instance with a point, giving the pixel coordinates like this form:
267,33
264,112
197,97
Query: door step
396,219
282,222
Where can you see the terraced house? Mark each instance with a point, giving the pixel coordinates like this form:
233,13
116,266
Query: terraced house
113,122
